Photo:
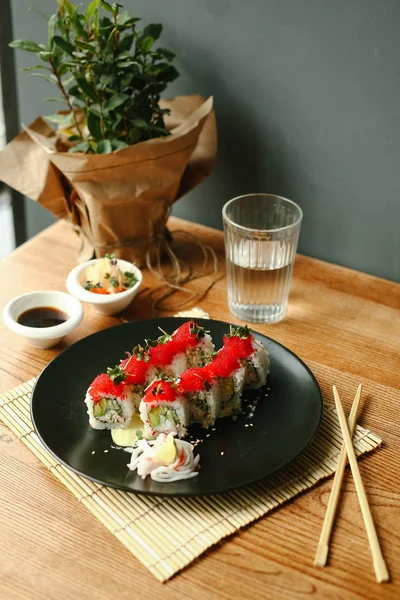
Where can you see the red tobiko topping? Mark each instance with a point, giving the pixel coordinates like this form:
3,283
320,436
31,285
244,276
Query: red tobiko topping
160,391
183,337
163,354
223,364
193,380
103,386
240,347
135,370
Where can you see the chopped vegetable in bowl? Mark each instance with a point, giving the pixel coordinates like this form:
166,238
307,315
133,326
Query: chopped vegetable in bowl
105,277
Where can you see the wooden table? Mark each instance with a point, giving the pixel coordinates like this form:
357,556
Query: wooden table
337,317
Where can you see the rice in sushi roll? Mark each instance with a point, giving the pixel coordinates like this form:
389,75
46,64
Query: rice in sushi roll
135,376
252,355
196,342
203,395
226,369
109,405
164,410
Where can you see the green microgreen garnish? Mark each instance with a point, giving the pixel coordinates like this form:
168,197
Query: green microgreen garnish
89,285
130,280
107,276
241,332
114,282
197,330
139,434
116,374
166,337
140,353
109,256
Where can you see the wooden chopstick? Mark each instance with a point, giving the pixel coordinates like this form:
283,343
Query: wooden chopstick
380,568
321,554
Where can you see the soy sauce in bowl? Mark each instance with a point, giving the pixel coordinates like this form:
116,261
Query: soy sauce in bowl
42,316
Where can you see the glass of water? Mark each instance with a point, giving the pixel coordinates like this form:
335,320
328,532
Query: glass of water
261,235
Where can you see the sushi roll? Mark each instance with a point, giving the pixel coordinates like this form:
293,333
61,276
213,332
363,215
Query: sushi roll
136,374
251,354
226,369
196,342
203,395
189,346
109,405
164,410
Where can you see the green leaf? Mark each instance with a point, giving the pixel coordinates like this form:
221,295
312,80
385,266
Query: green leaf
106,80
86,46
139,123
91,9
74,138
46,55
95,109
77,23
114,102
134,135
147,43
124,18
123,55
64,45
65,120
118,144
106,6
34,68
160,130
86,87
166,53
166,73
153,30
50,77
38,12
127,63
68,80
125,43
82,147
93,123
104,147
27,45
51,30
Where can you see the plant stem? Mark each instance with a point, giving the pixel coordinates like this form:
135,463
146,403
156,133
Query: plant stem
64,93
116,34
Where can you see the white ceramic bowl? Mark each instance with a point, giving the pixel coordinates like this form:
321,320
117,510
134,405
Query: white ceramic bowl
110,304
44,337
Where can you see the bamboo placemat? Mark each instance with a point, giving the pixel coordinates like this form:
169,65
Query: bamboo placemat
168,534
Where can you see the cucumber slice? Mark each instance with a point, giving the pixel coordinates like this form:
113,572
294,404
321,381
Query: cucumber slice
98,410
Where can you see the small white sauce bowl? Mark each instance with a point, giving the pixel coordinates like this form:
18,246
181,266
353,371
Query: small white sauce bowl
43,337
107,304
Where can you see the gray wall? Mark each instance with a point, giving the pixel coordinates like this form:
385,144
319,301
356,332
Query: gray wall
307,97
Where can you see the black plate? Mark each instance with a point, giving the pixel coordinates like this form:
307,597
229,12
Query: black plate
286,419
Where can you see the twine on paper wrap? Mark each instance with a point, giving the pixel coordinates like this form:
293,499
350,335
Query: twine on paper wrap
177,273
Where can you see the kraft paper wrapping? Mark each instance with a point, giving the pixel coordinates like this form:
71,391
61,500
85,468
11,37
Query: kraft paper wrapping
117,202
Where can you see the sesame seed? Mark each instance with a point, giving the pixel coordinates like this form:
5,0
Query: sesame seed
222,453
251,424
105,451
246,425
214,429
93,451
208,434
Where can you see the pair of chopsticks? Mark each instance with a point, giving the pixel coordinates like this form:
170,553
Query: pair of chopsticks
347,451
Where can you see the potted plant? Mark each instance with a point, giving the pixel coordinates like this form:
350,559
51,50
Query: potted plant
120,156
